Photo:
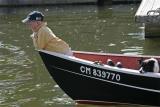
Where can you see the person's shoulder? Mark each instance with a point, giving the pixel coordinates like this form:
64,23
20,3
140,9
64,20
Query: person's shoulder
45,29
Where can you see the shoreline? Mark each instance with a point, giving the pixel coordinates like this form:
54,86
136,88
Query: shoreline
19,3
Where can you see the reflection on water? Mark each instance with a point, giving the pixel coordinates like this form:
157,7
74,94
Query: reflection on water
24,81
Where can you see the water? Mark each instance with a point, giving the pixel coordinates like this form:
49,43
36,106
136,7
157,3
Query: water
25,82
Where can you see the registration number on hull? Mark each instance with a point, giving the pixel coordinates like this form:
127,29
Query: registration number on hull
100,73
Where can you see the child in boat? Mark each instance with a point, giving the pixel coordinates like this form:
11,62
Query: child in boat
43,37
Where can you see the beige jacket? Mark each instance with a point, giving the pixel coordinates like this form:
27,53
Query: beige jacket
45,39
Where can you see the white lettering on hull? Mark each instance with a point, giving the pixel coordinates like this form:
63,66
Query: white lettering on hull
100,73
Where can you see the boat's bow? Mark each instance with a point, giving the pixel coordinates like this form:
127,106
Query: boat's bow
83,80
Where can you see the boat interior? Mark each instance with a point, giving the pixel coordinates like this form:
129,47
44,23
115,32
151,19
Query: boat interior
119,60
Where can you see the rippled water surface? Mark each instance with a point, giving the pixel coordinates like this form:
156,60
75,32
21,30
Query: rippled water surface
24,81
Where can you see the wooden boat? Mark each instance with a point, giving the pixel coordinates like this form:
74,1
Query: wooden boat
98,83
